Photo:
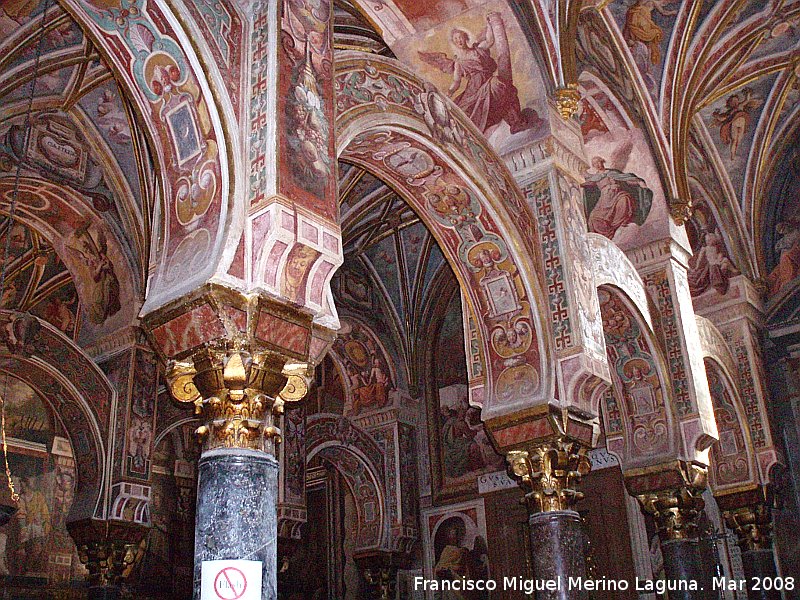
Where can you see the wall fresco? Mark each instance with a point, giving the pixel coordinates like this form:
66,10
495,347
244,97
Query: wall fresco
456,544
35,543
623,196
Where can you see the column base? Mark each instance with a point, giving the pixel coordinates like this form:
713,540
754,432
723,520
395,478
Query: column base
558,552
237,495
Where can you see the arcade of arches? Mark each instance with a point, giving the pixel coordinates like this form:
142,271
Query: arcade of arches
368,291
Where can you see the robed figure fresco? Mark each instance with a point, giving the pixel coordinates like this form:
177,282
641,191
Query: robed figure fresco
455,561
710,266
489,95
614,199
788,248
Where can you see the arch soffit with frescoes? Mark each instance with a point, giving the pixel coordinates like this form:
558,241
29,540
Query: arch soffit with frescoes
468,201
639,418
733,463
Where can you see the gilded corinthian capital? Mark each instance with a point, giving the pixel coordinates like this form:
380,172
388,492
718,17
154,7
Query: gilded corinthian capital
549,473
677,508
238,394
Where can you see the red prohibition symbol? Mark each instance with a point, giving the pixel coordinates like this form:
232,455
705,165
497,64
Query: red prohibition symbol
230,584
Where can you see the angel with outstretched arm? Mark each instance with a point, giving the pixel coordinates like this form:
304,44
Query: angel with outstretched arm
488,96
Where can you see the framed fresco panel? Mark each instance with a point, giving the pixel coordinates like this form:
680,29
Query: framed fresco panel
460,448
455,546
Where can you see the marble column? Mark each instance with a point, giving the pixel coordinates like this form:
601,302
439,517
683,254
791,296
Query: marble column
549,472
237,396
676,512
753,527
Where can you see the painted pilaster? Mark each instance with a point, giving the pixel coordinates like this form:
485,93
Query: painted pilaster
663,267
132,369
550,172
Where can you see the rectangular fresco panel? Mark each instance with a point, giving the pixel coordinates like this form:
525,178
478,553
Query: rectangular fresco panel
307,172
455,545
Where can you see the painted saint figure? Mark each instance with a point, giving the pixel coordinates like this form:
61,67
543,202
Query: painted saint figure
33,518
735,119
640,28
711,267
489,95
788,266
614,199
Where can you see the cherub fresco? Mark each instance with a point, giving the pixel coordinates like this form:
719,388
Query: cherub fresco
112,120
734,120
488,96
614,199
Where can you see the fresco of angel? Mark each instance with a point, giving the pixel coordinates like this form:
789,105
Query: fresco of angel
91,257
734,121
640,28
488,96
614,199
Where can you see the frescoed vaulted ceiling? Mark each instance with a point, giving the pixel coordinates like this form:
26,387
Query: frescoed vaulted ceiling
715,85
84,147
37,279
391,251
